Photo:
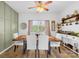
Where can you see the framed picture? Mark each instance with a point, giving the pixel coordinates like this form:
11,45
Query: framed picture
53,25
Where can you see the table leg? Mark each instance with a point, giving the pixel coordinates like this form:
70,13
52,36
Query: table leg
59,50
37,48
24,46
14,48
49,51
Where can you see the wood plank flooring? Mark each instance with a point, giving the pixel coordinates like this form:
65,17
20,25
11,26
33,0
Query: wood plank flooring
65,53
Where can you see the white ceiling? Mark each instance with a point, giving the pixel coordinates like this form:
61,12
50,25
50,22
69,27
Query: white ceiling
22,6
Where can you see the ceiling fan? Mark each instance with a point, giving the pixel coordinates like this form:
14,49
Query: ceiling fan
40,6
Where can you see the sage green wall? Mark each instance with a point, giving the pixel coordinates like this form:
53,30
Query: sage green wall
8,25
1,26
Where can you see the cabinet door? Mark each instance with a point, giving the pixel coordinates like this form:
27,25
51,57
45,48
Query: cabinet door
1,26
7,26
14,22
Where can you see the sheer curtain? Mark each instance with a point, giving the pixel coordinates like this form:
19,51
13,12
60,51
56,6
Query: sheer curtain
29,26
47,27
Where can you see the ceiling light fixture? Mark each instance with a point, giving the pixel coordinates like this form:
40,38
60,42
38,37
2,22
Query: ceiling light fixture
40,6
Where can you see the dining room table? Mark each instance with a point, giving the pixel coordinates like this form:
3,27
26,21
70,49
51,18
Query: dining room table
20,37
24,38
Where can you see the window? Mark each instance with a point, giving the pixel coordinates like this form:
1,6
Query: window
38,26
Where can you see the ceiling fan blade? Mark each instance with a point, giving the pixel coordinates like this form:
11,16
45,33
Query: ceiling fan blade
48,2
32,7
38,2
46,9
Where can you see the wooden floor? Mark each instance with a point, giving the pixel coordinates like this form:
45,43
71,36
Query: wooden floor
65,53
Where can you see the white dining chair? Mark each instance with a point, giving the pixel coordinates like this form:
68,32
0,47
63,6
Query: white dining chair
17,42
56,44
31,43
43,43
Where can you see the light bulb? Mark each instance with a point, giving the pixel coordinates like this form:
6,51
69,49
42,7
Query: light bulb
39,9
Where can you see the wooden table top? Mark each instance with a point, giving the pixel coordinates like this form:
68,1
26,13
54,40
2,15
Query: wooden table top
51,38
20,37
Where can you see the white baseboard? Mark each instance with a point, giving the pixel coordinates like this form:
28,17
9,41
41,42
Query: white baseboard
6,49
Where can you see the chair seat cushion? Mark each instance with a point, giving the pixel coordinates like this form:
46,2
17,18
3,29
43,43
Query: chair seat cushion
55,44
18,43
